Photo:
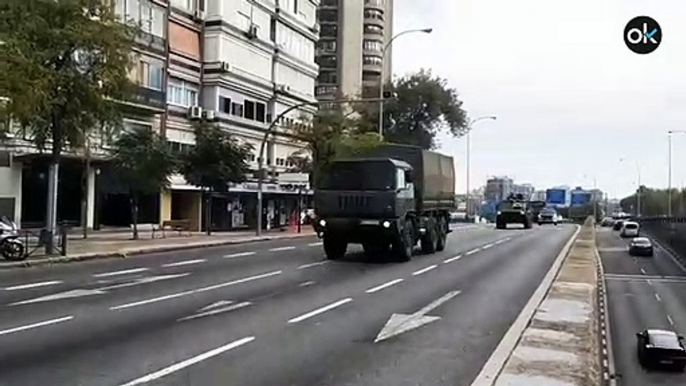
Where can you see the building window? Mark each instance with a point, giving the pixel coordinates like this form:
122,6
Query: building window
373,14
322,90
369,76
148,15
182,93
150,72
327,45
373,60
327,15
378,3
260,112
330,3
249,112
187,5
373,29
330,30
272,29
225,105
372,45
327,61
236,109
328,77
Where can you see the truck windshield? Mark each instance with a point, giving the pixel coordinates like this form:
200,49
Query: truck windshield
368,175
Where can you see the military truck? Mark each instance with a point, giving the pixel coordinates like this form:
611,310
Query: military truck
513,210
388,200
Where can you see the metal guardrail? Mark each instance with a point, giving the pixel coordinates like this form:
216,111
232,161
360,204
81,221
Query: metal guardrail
670,232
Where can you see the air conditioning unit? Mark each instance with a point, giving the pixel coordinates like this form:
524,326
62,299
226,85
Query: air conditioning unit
225,66
199,15
195,112
210,115
283,88
252,31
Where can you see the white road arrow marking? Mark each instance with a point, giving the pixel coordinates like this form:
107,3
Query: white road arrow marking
399,323
77,293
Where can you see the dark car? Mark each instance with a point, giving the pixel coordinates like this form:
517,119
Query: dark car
607,222
618,225
661,348
641,246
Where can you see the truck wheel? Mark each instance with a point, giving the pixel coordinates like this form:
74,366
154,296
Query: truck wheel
334,248
442,234
403,245
430,238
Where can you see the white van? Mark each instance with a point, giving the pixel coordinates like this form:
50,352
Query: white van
629,229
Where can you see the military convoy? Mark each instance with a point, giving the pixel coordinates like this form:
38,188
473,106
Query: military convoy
388,200
514,210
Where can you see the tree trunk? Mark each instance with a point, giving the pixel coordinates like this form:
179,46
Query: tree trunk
134,213
208,213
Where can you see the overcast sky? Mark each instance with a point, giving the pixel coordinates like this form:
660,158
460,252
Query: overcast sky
570,97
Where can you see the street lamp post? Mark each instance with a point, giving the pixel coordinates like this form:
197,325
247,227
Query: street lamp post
638,190
383,67
270,131
669,170
467,162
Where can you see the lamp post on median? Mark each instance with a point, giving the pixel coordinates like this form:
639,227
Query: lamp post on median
383,66
669,170
469,130
270,131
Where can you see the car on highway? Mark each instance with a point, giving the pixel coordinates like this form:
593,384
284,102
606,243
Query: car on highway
548,216
607,222
630,229
661,348
641,246
617,225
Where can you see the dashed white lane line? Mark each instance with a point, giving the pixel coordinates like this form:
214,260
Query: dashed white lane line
487,246
307,283
35,325
643,271
198,290
239,254
32,285
383,286
669,318
189,362
185,262
424,270
124,272
320,310
650,282
216,311
657,296
315,244
450,260
313,264
279,249
473,251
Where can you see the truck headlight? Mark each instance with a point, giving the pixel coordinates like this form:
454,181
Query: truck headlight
521,212
322,222
386,224
499,213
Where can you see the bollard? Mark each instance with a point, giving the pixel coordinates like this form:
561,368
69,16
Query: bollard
63,236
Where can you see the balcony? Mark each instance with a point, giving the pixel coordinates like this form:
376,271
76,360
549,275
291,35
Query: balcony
151,42
148,99
374,4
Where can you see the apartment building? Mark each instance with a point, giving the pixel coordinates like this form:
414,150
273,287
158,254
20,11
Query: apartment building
350,51
239,63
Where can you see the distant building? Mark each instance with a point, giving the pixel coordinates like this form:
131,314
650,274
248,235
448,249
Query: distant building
538,195
498,188
526,190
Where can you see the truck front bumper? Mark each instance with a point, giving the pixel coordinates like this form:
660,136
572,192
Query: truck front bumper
356,230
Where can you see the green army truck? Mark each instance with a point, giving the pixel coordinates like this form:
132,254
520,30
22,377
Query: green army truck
388,200
514,210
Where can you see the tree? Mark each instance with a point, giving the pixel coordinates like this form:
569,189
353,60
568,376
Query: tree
63,64
143,162
216,160
329,134
423,106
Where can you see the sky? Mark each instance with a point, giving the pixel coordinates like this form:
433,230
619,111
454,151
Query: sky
574,105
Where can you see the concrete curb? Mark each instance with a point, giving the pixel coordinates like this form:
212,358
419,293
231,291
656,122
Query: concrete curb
607,356
130,252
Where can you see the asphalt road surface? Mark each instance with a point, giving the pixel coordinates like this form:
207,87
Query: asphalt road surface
643,292
272,313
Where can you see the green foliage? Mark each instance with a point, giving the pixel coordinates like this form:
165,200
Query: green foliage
143,161
63,64
216,160
330,134
423,106
654,202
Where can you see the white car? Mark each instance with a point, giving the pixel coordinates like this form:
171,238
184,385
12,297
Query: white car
629,229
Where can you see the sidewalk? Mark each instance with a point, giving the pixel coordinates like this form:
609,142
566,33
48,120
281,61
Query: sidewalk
560,346
119,244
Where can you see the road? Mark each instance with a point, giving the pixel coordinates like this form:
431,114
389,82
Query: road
272,313
642,292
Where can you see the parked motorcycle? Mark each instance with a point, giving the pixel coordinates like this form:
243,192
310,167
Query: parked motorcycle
11,247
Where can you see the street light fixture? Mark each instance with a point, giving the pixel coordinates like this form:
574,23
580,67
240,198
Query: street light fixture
383,67
270,131
469,130
669,170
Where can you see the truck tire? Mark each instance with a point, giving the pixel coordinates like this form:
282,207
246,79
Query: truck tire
527,224
403,244
430,238
334,248
442,234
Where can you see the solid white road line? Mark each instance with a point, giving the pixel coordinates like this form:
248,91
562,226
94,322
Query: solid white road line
281,249
424,270
450,260
185,262
502,352
239,254
320,310
473,251
32,285
124,272
198,290
313,264
189,362
315,244
384,285
35,325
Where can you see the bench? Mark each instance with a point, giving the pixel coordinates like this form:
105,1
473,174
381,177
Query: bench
146,228
179,226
